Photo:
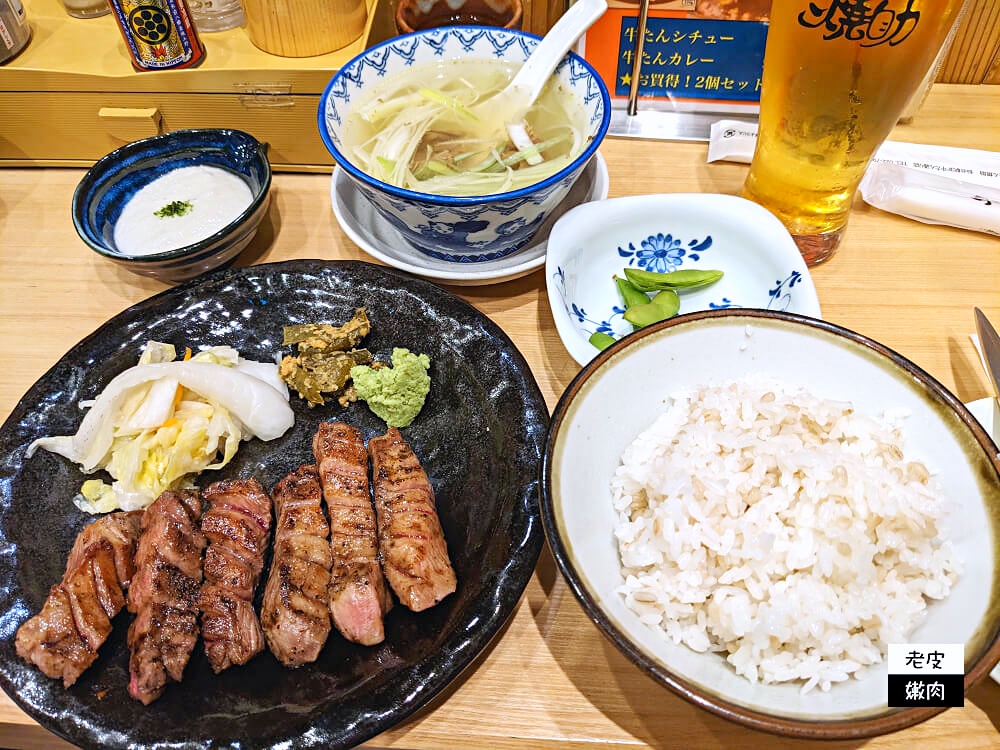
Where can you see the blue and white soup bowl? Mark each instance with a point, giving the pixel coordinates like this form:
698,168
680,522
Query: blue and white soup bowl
461,229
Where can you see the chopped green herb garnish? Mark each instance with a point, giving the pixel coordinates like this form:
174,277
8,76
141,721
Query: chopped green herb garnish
174,208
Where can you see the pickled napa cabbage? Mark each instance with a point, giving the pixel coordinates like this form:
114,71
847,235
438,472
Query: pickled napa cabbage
157,425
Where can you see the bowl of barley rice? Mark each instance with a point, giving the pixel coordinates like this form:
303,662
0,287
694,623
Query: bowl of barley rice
753,506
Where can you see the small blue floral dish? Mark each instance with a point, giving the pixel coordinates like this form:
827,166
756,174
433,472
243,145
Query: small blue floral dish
592,244
470,229
104,191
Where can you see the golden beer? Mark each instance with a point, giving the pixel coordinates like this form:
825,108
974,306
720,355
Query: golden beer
837,75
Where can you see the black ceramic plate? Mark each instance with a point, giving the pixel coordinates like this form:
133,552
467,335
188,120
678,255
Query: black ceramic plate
479,436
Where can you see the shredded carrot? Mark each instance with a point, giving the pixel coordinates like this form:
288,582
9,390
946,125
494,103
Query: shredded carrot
178,394
180,389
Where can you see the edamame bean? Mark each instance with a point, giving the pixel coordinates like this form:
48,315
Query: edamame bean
668,301
601,340
630,295
643,315
665,304
685,278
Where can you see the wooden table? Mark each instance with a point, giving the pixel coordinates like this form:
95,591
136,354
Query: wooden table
551,680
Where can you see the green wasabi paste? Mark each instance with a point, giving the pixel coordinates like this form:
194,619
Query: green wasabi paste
397,393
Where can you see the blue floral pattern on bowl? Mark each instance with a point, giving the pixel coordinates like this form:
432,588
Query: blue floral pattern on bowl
462,229
663,253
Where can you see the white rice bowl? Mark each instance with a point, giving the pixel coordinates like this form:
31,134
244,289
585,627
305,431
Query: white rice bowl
789,533
619,396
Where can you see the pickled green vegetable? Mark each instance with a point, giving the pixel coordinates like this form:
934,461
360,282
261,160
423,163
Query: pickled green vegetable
326,354
312,375
322,337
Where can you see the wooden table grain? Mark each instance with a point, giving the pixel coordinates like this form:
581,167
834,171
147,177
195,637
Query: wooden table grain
551,680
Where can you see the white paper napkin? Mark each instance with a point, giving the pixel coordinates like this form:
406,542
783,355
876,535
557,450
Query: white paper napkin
931,198
957,187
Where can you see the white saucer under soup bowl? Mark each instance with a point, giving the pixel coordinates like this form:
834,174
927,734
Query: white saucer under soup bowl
618,395
372,233
590,245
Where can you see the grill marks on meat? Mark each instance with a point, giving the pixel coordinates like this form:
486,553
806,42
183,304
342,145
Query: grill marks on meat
414,553
320,570
164,593
295,613
121,531
237,525
358,595
62,640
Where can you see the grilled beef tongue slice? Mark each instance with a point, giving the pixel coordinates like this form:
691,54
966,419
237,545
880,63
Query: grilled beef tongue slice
295,613
359,596
63,639
414,553
164,593
237,526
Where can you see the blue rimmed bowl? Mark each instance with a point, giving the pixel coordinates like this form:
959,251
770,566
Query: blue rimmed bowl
461,229
108,185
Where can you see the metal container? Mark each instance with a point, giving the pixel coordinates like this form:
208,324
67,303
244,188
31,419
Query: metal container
159,34
14,29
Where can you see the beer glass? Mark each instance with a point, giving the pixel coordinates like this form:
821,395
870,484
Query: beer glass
837,75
